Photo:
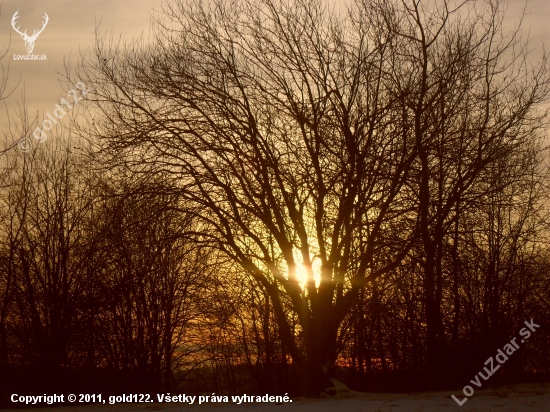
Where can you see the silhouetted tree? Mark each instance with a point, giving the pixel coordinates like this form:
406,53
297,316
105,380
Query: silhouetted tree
304,136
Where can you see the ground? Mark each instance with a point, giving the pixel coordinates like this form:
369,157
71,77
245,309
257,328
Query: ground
513,398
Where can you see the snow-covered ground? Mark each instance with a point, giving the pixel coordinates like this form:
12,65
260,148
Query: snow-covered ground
515,398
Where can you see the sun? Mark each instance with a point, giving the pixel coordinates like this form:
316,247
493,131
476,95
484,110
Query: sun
302,275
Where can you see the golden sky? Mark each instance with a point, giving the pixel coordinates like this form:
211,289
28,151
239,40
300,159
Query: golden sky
72,25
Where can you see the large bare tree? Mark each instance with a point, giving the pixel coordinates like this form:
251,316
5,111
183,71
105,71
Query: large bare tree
316,137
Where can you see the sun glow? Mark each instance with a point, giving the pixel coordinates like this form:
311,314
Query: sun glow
302,272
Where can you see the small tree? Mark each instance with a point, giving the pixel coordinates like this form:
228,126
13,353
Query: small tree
150,282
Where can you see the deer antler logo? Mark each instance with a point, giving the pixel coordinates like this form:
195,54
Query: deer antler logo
29,40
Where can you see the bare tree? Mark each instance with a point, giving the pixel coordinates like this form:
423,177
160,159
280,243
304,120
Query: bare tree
472,100
152,275
51,254
306,138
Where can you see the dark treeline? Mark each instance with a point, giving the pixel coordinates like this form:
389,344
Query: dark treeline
271,194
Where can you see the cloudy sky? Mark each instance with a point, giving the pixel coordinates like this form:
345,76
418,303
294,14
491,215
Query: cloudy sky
71,28
72,25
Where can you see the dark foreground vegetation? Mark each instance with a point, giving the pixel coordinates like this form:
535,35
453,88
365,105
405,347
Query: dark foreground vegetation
270,194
